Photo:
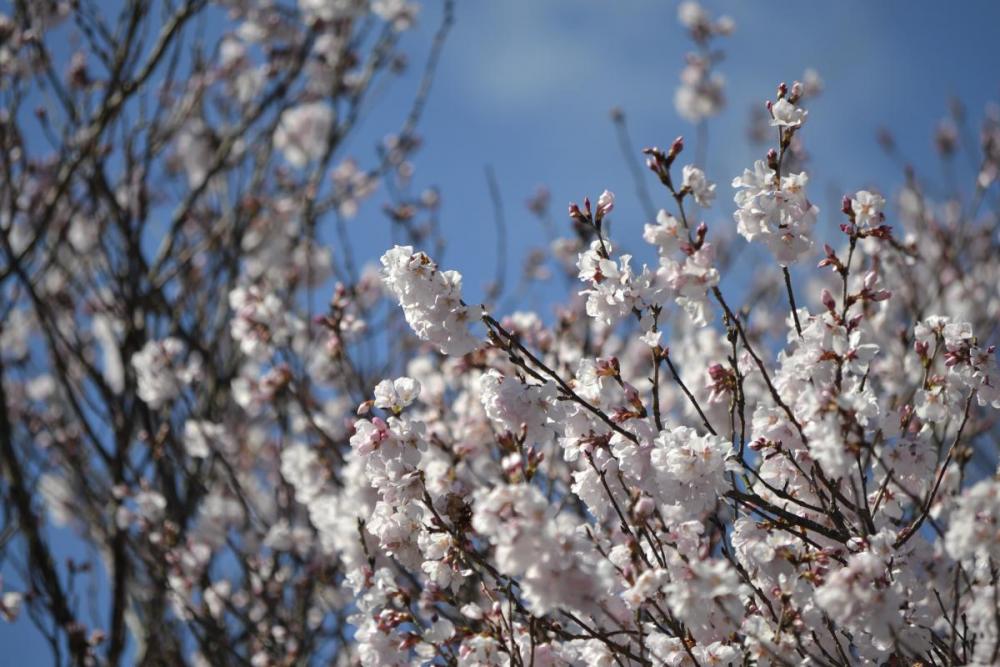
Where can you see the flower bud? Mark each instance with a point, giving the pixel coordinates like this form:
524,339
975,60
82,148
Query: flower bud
644,507
880,295
605,204
796,92
772,159
675,148
847,206
828,300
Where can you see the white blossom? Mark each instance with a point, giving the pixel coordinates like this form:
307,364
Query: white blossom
698,185
303,131
786,114
396,394
431,299
867,207
780,216
161,372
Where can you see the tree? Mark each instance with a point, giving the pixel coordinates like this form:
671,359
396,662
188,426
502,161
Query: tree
172,172
283,458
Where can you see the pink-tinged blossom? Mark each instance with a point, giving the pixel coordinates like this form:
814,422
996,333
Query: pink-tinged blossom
692,15
779,215
698,185
700,94
697,20
330,10
605,204
431,299
401,14
195,149
649,585
303,132
786,114
544,551
394,395
867,207
202,437
706,595
351,185
302,468
689,272
161,371
10,604
863,596
519,408
480,651
614,288
974,529
392,451
261,322
692,468
692,280
667,234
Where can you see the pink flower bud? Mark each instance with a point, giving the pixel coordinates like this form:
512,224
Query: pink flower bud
716,371
772,159
644,507
828,301
605,203
880,295
676,147
847,206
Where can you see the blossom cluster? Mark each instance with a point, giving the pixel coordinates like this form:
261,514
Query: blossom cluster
806,501
431,299
700,94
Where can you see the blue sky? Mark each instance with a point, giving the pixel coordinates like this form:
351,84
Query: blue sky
526,86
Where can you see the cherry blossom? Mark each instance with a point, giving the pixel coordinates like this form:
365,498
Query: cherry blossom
274,447
431,299
396,394
302,132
